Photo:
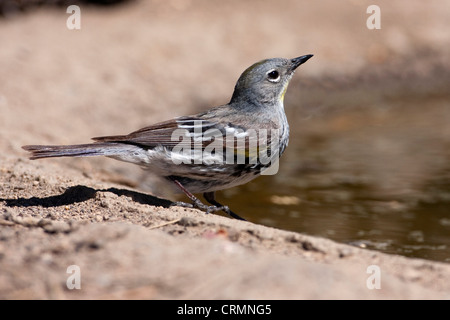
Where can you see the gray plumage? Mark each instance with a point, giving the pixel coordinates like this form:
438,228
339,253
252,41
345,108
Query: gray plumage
256,105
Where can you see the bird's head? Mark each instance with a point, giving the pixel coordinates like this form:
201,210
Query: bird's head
267,81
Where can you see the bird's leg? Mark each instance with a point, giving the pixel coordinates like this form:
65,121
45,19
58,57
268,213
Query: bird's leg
196,203
211,198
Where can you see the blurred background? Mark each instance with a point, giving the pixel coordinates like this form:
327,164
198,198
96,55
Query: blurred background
368,161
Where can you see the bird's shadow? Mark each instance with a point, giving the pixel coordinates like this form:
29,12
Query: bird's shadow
81,193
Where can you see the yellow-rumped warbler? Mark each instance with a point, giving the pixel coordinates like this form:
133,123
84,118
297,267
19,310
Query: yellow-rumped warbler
217,149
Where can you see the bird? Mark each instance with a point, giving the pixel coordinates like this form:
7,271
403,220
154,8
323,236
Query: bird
220,148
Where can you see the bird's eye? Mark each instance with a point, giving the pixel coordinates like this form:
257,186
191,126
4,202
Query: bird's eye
273,76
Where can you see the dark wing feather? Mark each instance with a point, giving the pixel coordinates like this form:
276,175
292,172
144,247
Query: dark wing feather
163,133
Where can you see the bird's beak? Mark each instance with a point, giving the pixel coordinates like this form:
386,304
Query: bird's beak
298,61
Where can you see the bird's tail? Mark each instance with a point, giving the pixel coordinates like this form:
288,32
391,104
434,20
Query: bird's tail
77,150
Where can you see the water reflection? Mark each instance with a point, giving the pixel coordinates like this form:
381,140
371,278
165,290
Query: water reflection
366,165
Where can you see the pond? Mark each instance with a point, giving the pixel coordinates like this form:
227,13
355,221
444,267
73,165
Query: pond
368,164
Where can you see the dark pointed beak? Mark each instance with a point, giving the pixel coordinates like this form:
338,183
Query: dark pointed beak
300,60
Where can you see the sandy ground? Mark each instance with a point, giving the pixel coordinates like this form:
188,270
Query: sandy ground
148,61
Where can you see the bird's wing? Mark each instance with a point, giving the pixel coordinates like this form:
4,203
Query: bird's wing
167,134
197,133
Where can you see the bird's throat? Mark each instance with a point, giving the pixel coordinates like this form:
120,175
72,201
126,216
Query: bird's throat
283,93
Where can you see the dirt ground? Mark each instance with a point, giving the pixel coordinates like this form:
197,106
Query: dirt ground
146,61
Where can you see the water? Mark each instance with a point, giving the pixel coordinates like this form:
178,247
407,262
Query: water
367,165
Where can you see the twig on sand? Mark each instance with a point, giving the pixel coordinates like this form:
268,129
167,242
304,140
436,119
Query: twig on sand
165,223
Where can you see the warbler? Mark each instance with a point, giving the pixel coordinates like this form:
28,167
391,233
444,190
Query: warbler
220,148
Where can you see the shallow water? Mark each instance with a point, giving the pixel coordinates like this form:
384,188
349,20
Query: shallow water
366,165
